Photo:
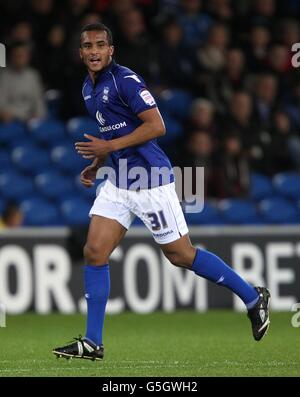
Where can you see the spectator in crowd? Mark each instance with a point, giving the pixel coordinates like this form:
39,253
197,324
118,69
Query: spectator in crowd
264,13
239,117
257,48
265,98
288,32
199,152
12,216
54,58
279,60
221,10
22,31
136,50
202,116
285,145
292,104
221,87
78,8
233,171
240,120
20,86
114,12
195,23
173,52
41,16
212,56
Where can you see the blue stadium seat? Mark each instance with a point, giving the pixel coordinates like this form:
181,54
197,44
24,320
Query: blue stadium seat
87,193
208,216
25,140
279,210
174,130
175,102
15,187
78,126
75,211
47,132
5,161
288,184
67,159
2,205
39,212
239,211
260,186
53,185
53,101
11,132
30,159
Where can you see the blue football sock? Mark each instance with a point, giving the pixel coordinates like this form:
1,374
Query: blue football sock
97,286
211,267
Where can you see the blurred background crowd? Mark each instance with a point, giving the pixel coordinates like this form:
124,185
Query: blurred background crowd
221,73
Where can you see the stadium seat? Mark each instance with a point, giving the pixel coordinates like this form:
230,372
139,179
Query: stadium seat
5,161
78,126
20,142
53,185
39,212
174,131
260,187
87,193
30,159
15,187
12,132
2,206
67,159
238,211
75,211
47,132
175,102
53,101
288,184
208,216
278,210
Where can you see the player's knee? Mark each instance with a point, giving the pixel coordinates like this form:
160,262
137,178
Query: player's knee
94,254
182,258
177,259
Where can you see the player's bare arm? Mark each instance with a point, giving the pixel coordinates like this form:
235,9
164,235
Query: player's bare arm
151,128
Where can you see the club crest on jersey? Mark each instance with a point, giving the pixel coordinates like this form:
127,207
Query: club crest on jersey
100,118
105,94
147,97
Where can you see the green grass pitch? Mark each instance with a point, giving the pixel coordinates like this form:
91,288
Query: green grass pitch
185,343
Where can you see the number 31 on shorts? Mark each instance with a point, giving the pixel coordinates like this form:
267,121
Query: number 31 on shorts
157,220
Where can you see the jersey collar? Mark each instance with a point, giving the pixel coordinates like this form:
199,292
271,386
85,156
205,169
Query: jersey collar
104,72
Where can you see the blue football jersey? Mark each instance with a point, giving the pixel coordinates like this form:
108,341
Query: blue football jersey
115,100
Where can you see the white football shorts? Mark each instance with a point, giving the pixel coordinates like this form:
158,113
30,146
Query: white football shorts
158,208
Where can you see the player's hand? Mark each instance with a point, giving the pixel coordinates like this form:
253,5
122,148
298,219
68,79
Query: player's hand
88,175
94,148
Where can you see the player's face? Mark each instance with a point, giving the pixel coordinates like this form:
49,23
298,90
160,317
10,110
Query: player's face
95,51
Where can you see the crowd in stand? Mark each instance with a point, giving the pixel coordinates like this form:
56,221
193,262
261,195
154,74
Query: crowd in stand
232,57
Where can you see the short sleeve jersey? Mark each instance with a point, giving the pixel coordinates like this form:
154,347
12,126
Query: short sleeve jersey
115,100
